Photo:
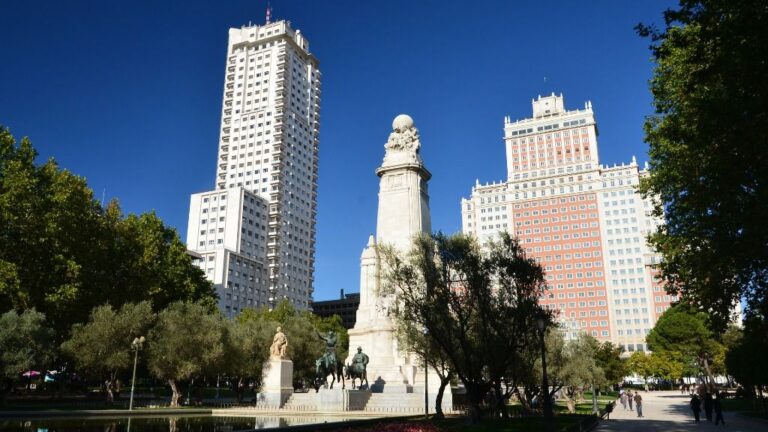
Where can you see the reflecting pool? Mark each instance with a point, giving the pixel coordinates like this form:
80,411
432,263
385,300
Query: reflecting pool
192,423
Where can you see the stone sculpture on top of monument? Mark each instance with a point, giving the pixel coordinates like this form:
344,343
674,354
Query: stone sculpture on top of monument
403,213
279,346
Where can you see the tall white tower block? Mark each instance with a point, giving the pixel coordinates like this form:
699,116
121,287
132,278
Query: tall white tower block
268,147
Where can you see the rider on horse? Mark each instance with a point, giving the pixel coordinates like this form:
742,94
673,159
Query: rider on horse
358,367
329,357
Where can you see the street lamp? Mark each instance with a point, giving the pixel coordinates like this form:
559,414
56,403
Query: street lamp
136,346
541,322
426,374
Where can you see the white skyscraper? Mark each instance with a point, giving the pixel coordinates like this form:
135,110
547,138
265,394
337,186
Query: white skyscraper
268,150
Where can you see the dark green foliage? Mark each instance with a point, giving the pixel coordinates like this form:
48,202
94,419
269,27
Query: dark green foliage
187,341
101,348
745,356
25,344
301,328
246,348
63,254
608,358
682,334
709,153
476,307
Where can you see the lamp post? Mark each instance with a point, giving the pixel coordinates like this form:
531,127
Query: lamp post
541,323
426,375
136,346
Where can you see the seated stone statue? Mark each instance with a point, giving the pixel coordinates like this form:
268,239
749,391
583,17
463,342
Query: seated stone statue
279,346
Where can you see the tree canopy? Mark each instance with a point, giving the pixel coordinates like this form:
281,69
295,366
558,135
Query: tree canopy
682,334
709,151
25,344
63,254
186,341
102,347
476,306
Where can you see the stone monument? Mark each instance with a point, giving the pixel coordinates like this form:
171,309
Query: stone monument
403,213
278,378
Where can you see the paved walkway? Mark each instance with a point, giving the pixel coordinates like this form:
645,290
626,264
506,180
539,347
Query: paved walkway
668,411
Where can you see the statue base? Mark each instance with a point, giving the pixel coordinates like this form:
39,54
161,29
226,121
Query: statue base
278,382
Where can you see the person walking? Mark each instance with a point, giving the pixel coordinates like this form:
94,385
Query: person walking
623,399
695,407
708,406
718,409
639,404
629,399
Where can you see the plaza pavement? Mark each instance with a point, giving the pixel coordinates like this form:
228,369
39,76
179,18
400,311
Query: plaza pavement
665,411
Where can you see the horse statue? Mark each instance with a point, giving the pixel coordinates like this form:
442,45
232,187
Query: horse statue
322,371
358,368
351,372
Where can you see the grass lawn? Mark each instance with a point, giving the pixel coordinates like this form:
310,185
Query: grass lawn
585,407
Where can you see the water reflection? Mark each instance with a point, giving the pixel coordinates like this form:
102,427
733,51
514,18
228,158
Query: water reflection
161,424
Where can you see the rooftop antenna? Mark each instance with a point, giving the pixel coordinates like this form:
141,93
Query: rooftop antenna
269,13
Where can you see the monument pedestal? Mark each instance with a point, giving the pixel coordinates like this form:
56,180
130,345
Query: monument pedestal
278,382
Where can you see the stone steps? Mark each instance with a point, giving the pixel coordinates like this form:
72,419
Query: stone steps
396,403
302,402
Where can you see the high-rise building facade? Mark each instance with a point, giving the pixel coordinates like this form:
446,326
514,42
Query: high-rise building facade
268,151
585,223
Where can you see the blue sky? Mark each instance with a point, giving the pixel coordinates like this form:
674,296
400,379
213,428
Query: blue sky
128,94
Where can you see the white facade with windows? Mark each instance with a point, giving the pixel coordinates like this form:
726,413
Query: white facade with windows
585,223
268,147
228,230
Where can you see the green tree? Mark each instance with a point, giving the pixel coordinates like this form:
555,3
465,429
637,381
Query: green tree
608,358
664,366
682,334
186,342
580,370
527,372
101,348
475,306
63,254
708,153
246,349
412,338
25,344
639,363
49,227
743,357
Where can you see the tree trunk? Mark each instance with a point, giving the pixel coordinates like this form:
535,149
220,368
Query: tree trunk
499,398
524,399
439,398
475,396
710,377
240,389
109,388
175,394
5,391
